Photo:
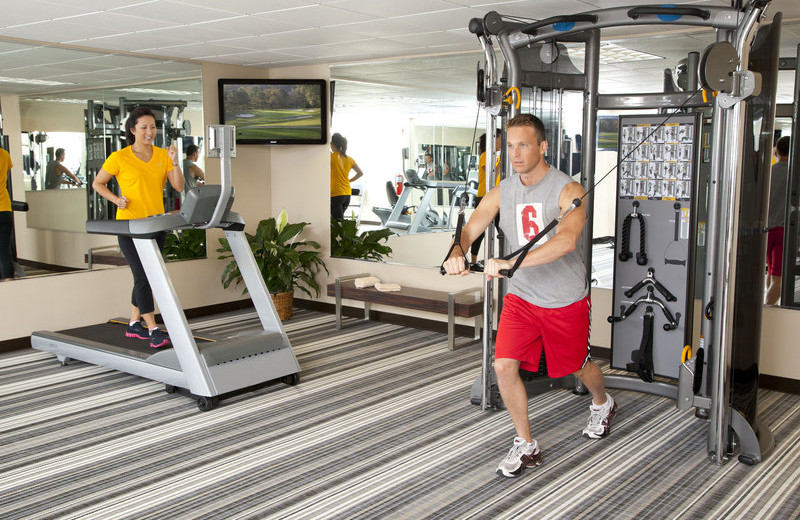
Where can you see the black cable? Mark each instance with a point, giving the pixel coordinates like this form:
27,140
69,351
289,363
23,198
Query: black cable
510,272
575,203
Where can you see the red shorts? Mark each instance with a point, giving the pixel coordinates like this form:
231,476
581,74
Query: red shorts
775,251
563,332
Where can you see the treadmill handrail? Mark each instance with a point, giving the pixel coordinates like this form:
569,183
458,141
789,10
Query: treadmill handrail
224,135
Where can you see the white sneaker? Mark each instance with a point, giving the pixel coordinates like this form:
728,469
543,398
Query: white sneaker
600,419
522,455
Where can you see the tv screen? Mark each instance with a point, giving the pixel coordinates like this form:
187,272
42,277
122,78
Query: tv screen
275,111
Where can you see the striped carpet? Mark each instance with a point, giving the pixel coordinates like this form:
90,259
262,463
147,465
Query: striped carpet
380,426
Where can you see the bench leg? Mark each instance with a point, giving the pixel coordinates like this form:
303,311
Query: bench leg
478,321
451,321
367,307
338,304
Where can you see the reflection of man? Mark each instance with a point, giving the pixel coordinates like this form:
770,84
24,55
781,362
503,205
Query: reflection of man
192,174
778,185
54,176
432,171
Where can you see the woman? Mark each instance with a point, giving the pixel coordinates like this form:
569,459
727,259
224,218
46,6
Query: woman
6,222
141,170
341,165
476,245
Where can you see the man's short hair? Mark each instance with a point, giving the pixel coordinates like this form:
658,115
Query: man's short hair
528,120
191,150
783,146
59,152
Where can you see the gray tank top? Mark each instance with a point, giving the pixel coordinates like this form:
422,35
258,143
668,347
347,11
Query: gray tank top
524,211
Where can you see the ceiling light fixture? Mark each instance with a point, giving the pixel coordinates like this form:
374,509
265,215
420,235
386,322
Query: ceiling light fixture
613,53
158,91
27,81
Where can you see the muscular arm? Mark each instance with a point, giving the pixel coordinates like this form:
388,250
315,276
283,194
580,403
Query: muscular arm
196,172
480,219
61,169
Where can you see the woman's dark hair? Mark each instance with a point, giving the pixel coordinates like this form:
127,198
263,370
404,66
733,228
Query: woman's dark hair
340,143
133,118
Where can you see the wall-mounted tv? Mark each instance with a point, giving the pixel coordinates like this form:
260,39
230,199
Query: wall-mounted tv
275,111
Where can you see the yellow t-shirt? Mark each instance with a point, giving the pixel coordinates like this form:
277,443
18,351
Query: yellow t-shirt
482,174
5,165
340,174
142,183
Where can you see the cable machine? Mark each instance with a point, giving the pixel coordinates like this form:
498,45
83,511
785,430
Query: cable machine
660,155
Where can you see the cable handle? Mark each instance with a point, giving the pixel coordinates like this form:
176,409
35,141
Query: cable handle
456,242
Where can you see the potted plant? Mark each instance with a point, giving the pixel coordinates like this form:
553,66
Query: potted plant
185,244
285,261
347,242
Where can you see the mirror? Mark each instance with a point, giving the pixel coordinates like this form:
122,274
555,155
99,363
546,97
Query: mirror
392,111
411,128
393,114
79,109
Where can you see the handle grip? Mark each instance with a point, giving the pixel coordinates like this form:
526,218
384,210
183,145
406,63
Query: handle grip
636,12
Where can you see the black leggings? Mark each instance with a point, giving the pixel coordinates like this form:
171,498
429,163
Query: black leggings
339,203
142,295
6,265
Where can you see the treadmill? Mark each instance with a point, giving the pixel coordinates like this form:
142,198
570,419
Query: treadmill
205,368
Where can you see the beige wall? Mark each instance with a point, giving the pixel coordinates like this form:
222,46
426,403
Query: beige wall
269,179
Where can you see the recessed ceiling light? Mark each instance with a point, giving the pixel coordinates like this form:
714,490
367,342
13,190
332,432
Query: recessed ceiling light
158,91
613,53
27,81
58,100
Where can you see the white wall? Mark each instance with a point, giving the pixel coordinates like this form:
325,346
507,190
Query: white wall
269,179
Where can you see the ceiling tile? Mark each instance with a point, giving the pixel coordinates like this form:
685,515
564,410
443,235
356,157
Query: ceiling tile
176,13
393,9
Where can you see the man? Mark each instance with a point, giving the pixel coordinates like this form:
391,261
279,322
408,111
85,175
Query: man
432,171
192,174
778,184
547,308
54,176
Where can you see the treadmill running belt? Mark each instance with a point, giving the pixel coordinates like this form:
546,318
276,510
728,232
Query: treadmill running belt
113,334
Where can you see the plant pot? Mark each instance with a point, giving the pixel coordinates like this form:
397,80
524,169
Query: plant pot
283,304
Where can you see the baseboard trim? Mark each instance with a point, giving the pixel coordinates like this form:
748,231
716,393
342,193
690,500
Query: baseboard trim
780,384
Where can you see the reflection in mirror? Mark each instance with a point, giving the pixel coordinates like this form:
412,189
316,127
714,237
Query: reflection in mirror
413,126
68,127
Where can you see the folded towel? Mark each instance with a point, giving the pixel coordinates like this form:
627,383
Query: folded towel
387,287
367,281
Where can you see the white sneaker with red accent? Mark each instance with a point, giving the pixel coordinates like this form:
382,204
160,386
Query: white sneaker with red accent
600,419
522,455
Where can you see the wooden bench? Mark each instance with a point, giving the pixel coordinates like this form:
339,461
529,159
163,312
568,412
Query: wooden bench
467,303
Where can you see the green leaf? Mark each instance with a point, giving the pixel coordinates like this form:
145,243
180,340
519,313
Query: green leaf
286,262
347,242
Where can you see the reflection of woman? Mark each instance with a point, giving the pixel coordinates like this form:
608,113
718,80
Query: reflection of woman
6,265
476,245
341,164
141,170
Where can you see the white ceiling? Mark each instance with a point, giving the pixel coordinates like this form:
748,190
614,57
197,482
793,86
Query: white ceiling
113,42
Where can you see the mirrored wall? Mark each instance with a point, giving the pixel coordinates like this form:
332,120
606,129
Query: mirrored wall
413,126
68,124
414,118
